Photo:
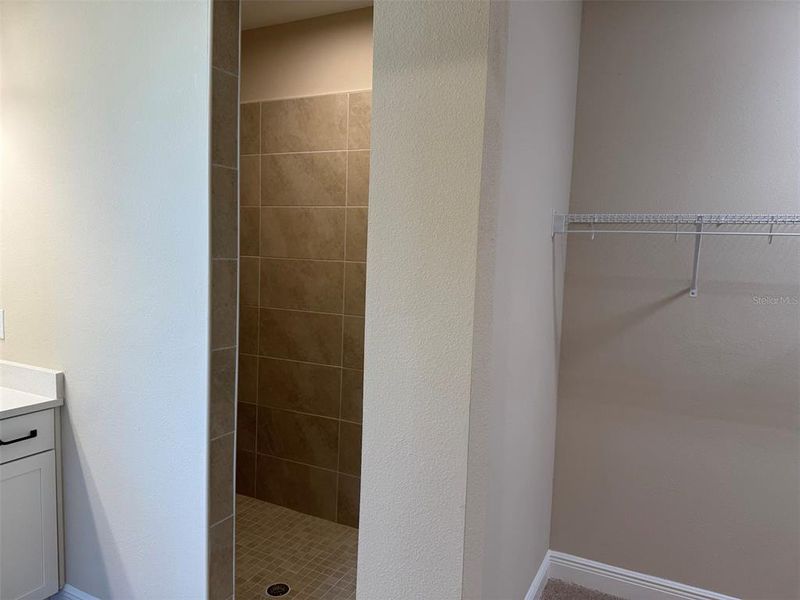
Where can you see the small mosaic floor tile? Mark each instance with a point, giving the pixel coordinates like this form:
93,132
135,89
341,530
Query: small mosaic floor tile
316,558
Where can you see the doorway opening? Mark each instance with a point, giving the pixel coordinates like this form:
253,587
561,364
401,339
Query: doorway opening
304,130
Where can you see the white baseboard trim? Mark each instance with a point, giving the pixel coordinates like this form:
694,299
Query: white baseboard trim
69,592
537,586
613,580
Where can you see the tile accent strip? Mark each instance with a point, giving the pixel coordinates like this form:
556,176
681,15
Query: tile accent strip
224,269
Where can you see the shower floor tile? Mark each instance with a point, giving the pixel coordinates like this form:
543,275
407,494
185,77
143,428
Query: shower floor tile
315,557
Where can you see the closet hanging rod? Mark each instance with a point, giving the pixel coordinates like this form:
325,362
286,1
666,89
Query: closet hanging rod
668,232
562,222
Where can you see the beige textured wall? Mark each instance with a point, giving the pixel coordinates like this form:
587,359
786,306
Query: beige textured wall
427,138
527,172
677,450
323,55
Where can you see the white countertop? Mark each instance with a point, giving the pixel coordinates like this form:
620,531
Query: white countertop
26,389
14,403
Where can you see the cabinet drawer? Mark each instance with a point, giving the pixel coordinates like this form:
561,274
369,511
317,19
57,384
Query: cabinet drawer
19,439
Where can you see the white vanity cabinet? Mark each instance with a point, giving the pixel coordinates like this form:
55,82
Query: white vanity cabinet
31,557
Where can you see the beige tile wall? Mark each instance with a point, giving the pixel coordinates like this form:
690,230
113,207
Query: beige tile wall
303,222
224,274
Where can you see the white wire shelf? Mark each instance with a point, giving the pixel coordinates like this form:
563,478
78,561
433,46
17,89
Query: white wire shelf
674,219
610,223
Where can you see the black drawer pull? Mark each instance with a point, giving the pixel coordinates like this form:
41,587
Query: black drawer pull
31,435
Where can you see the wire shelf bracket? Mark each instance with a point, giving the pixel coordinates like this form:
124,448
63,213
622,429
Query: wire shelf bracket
693,225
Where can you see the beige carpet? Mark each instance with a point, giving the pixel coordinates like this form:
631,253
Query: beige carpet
561,590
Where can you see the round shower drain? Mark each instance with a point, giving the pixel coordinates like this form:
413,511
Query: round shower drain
277,589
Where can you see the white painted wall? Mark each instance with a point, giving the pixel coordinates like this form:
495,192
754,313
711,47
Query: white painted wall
427,139
678,451
527,166
104,273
